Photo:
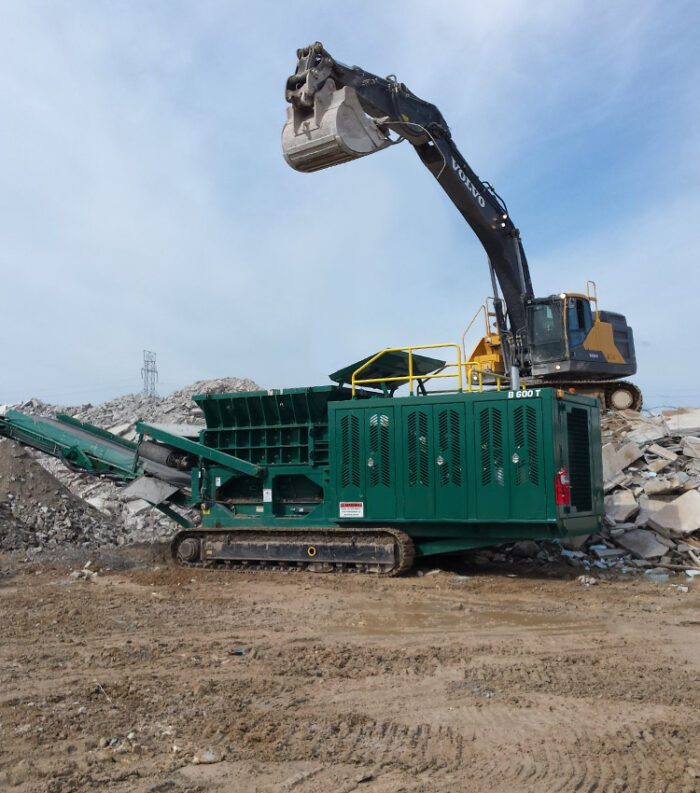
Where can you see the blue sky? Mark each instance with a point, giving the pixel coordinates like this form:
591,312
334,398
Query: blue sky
145,203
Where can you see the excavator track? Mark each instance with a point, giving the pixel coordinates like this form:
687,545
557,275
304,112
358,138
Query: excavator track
381,551
613,394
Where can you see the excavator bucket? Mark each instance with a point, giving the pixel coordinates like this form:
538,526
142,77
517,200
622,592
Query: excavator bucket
334,130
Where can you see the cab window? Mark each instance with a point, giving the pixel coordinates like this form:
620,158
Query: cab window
578,320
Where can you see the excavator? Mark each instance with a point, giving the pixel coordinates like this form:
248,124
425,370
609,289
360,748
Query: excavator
339,113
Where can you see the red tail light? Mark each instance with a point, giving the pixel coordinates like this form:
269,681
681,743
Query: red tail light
562,488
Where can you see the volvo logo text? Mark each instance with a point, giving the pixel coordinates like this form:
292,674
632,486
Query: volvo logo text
468,183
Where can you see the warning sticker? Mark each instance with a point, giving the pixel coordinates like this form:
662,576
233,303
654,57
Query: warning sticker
352,509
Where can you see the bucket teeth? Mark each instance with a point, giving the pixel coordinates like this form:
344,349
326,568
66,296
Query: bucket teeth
335,130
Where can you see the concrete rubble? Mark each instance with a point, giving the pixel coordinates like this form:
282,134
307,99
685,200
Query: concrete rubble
44,505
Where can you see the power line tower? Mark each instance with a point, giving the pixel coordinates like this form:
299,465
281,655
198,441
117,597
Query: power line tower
149,373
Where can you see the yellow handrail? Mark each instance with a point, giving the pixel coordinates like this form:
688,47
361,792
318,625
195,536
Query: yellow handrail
472,368
355,381
465,369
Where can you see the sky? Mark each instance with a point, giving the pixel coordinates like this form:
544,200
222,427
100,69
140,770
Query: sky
145,202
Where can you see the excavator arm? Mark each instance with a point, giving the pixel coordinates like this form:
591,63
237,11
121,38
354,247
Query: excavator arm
338,113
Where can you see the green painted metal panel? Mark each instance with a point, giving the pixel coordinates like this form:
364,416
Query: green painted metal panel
380,469
417,476
492,481
529,483
449,432
349,450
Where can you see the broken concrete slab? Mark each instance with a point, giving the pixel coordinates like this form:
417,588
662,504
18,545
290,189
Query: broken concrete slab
609,553
621,506
616,460
137,506
99,503
642,543
610,466
120,429
646,434
619,480
680,516
683,421
662,451
691,447
575,542
665,485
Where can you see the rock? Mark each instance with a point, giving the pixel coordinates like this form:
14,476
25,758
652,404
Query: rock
643,544
680,516
609,553
207,757
587,580
525,549
573,543
657,574
97,502
621,506
137,506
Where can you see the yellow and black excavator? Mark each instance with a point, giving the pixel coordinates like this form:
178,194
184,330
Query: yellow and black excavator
338,113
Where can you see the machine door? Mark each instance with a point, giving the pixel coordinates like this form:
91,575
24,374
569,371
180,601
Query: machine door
509,454
380,473
493,475
450,474
365,466
578,320
349,461
434,478
546,329
528,489
419,462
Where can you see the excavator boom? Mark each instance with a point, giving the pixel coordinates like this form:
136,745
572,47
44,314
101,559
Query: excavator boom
338,113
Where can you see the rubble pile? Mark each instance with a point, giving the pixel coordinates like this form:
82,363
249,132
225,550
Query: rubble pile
651,474
37,511
108,517
120,415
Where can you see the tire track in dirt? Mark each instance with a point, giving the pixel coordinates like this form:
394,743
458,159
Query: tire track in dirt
585,761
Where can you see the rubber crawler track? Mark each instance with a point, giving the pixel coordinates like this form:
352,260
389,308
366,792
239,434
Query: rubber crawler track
403,548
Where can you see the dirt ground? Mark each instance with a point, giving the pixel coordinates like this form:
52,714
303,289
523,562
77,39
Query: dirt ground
468,679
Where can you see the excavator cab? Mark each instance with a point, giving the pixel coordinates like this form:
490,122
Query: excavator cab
566,337
547,332
559,325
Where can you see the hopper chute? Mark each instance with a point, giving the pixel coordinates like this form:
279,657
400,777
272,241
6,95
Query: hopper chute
333,130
